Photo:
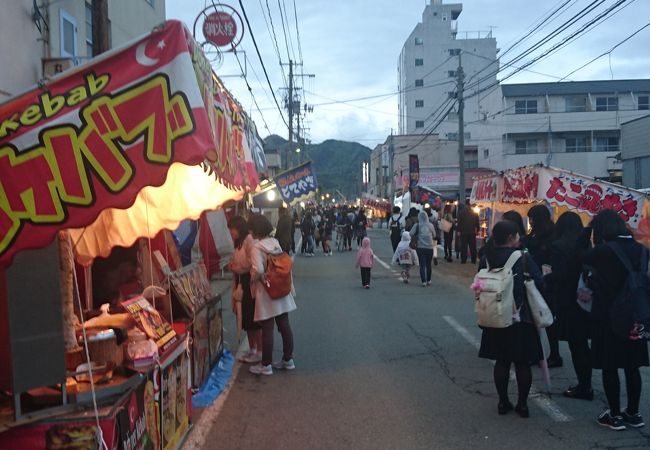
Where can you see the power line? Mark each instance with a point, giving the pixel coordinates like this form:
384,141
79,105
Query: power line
284,29
295,15
608,52
266,125
259,55
271,30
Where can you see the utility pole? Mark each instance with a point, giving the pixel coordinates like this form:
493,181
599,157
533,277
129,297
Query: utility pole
290,108
100,26
461,132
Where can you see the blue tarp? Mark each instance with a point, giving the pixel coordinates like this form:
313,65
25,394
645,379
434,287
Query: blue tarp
216,382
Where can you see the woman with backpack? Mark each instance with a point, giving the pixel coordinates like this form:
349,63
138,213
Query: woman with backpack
610,351
424,234
572,321
269,310
519,343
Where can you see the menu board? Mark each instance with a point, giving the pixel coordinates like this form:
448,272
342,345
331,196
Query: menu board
192,287
151,322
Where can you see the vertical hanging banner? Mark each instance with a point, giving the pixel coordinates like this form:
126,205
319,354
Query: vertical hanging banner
414,174
297,184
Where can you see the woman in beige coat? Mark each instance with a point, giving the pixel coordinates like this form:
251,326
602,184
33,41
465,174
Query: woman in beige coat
267,310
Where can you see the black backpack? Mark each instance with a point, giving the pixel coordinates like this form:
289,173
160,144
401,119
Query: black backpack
630,310
395,227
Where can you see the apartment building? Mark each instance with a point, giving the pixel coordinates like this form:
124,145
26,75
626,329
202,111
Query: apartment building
635,152
427,73
437,158
570,125
48,36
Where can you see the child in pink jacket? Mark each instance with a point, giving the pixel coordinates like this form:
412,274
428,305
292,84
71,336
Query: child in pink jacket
365,259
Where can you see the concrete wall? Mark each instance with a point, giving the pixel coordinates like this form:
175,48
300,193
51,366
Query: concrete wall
20,48
635,138
636,172
133,18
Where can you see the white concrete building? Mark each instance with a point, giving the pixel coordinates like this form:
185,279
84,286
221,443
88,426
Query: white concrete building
635,152
37,33
427,73
570,125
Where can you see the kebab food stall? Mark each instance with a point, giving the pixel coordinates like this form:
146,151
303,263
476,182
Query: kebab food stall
562,190
118,149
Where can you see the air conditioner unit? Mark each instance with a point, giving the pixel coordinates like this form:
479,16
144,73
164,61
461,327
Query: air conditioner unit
54,66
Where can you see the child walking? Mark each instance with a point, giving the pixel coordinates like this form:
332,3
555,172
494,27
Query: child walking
365,260
405,256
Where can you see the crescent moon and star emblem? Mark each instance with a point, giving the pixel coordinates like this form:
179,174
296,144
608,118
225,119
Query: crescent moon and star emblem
141,56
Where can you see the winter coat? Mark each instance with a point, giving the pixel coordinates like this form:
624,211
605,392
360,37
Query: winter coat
424,230
284,231
404,246
265,307
468,221
365,256
607,280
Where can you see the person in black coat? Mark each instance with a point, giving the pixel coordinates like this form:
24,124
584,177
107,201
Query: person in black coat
518,343
609,351
538,242
572,322
284,230
468,226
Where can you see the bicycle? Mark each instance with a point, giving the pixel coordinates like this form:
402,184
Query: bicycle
340,238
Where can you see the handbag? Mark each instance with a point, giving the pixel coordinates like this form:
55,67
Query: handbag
445,225
414,239
238,293
542,315
584,295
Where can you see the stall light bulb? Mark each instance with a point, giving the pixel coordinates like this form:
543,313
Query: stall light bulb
270,195
302,204
476,209
426,205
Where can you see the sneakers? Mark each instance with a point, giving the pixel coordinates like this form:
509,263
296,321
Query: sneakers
428,283
612,422
366,286
579,392
284,365
633,420
259,369
251,357
424,285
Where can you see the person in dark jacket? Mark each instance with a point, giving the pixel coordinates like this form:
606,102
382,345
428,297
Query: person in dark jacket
468,227
538,243
572,322
610,352
284,229
360,225
518,343
411,219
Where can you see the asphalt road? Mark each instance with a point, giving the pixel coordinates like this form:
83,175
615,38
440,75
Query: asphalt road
396,367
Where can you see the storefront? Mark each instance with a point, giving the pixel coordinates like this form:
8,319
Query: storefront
561,190
104,158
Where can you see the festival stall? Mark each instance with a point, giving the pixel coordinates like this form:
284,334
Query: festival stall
561,190
377,208
108,156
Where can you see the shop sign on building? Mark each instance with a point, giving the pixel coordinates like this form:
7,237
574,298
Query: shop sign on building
220,28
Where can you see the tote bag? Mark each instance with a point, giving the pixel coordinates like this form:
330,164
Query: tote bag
542,315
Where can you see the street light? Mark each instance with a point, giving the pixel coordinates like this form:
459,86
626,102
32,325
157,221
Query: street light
298,150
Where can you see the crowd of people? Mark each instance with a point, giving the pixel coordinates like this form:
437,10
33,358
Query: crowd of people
564,258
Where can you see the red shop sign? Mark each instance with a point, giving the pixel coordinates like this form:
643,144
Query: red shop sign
220,28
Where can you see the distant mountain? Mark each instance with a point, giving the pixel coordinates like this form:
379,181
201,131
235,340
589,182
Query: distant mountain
337,163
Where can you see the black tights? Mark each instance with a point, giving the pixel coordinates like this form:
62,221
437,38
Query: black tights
553,341
581,357
502,376
612,387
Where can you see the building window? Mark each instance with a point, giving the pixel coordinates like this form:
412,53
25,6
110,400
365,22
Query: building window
89,30
419,61
454,136
486,153
419,124
419,103
68,30
419,41
419,83
606,144
454,51
606,103
526,107
574,145
644,101
471,164
525,146
575,104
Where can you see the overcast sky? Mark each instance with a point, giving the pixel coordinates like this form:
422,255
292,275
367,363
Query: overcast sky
352,46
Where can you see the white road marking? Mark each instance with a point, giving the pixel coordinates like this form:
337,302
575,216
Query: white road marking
543,401
383,264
